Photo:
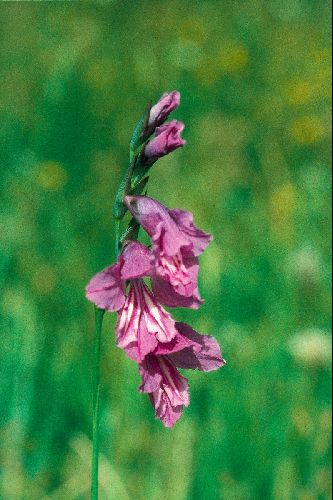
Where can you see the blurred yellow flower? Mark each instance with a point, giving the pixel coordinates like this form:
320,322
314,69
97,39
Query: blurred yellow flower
229,59
326,420
312,347
324,432
283,200
232,58
302,421
307,130
51,176
301,92
323,481
283,203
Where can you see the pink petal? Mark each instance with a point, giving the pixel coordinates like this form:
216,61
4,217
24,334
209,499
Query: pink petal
205,356
198,238
174,384
156,221
143,323
166,295
164,410
167,239
181,272
150,374
176,244
178,343
169,229
168,390
136,261
106,289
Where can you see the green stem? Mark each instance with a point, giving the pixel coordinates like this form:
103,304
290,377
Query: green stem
99,313
118,222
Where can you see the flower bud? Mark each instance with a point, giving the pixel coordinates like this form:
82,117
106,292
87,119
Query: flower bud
161,110
167,138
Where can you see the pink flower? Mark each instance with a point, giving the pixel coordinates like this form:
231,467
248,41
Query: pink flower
107,288
161,110
167,389
177,242
167,139
142,322
148,333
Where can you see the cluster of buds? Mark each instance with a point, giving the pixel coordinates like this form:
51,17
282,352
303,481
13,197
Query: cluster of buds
146,279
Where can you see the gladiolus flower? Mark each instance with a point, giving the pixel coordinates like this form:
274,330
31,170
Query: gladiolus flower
177,242
142,322
167,388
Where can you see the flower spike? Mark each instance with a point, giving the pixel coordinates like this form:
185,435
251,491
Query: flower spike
144,279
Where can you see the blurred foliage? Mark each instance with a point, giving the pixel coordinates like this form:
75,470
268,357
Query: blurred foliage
255,83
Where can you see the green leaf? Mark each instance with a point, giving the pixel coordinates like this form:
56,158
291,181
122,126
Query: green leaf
139,135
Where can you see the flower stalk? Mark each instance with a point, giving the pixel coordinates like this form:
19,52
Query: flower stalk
99,313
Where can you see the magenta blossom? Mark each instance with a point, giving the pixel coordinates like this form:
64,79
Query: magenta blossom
107,288
142,322
177,242
167,389
161,110
167,139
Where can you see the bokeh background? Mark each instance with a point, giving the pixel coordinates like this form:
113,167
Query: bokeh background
255,83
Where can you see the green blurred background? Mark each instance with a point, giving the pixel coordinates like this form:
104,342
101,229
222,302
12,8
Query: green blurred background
255,84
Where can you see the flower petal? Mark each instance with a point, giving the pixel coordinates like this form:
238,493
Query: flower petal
158,320
156,221
182,274
204,356
170,388
167,239
178,343
198,238
143,323
176,245
106,290
136,261
150,374
164,410
166,295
